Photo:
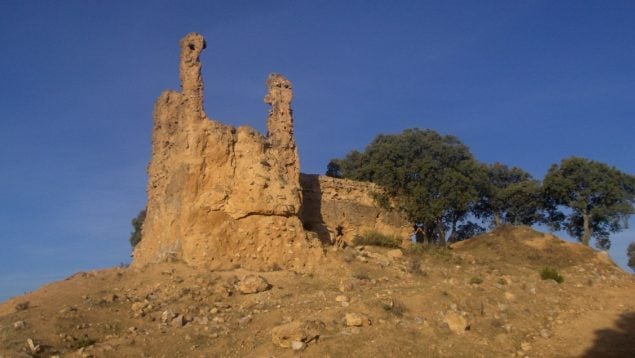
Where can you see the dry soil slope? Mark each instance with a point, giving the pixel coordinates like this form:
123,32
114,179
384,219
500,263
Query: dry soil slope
482,298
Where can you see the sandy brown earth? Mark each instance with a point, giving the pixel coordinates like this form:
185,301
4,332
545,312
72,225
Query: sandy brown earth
482,298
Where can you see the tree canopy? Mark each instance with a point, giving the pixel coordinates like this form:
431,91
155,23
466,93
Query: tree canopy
508,196
433,177
437,183
597,199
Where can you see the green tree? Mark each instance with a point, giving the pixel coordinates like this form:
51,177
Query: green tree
468,230
508,196
598,198
431,176
137,225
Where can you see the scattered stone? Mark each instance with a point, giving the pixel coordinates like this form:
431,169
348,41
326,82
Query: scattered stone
244,320
34,348
545,333
347,285
223,291
138,306
354,320
178,321
297,345
508,328
253,284
296,331
67,309
19,325
457,323
510,296
167,316
222,305
111,298
394,254
341,298
525,346
22,306
201,320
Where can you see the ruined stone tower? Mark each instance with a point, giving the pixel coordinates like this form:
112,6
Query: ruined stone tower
218,196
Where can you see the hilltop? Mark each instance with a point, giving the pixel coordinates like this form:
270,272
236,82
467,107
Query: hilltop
484,297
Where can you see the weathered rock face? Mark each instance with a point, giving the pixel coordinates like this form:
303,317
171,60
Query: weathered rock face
219,196
340,209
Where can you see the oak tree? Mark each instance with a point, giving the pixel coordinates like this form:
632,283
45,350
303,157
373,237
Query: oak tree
431,176
597,199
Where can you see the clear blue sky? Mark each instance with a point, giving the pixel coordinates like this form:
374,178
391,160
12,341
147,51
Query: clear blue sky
525,83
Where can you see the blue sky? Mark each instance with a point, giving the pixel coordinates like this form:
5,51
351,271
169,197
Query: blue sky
524,83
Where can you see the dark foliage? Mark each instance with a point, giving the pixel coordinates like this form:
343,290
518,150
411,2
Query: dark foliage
598,199
137,225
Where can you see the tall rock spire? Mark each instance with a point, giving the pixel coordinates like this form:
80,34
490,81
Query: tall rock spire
190,72
219,196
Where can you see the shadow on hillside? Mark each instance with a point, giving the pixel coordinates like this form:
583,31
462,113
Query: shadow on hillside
619,342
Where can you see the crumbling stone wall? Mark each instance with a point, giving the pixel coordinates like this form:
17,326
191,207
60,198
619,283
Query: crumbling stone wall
340,209
218,196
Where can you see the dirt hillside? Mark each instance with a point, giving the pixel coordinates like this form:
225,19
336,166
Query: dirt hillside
482,298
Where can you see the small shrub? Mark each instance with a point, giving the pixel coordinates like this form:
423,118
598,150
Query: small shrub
502,281
550,273
276,267
441,252
415,267
22,306
393,306
82,342
361,275
137,226
415,250
375,238
476,280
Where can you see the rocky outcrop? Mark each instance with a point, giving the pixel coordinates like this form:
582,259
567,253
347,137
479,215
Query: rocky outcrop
340,209
218,196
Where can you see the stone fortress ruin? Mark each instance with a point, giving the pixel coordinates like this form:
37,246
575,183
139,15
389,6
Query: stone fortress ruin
221,197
